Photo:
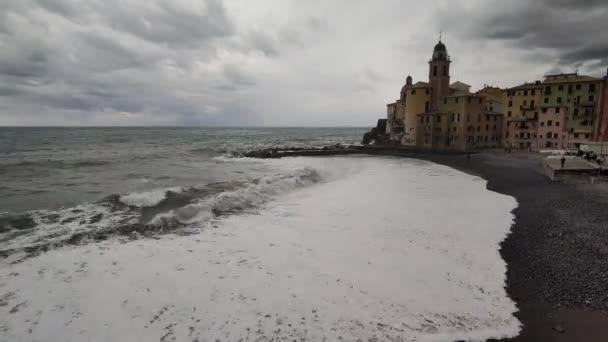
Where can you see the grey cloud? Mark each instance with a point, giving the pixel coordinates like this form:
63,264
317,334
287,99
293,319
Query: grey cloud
235,75
574,29
263,42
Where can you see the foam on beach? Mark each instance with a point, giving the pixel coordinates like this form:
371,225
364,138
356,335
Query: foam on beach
394,249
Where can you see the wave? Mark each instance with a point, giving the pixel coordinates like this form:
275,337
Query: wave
383,249
175,209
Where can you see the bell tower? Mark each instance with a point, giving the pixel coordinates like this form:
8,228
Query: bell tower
439,74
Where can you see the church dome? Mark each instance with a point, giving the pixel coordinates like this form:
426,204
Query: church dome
440,47
440,53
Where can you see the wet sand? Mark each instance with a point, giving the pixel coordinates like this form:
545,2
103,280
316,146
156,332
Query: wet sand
557,253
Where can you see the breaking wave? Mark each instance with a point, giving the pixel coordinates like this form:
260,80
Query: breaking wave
176,209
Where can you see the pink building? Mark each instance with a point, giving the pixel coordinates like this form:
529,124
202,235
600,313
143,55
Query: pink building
552,132
521,134
602,126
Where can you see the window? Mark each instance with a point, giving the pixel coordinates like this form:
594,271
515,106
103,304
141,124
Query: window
413,91
428,91
586,135
591,99
456,100
544,110
542,124
556,110
557,123
445,100
576,135
487,127
549,135
591,87
533,92
438,118
550,123
540,136
525,93
555,135
509,114
548,90
435,70
469,99
570,89
559,100
525,103
468,117
426,106
560,88
445,70
532,104
478,128
491,109
480,99
578,87
510,103
478,117
575,111
546,100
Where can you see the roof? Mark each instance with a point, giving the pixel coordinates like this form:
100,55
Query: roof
459,84
421,85
569,78
527,86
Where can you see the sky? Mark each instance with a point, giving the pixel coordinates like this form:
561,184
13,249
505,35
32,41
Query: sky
271,62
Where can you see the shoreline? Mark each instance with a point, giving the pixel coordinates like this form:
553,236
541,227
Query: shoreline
557,270
557,250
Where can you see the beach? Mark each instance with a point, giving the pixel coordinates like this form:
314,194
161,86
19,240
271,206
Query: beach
557,270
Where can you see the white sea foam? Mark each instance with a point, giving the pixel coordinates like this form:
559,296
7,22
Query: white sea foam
147,198
392,249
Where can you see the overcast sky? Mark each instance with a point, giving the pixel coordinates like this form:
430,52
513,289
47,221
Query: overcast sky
271,62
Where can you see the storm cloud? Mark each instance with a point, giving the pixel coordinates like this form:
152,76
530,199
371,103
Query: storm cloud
574,31
236,63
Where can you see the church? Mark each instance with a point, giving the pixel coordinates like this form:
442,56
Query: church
440,115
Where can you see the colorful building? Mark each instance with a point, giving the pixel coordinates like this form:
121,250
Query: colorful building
521,108
552,132
458,119
602,122
580,95
563,111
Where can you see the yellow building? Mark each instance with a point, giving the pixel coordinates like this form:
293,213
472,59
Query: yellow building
416,99
462,123
458,120
401,124
521,108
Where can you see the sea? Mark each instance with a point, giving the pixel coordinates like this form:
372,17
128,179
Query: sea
128,234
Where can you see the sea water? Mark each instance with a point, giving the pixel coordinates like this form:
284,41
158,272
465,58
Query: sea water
166,235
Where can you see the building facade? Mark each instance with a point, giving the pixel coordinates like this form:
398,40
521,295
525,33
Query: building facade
562,111
602,122
457,119
552,131
580,95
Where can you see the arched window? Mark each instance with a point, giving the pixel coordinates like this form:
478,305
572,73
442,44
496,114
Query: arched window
435,70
